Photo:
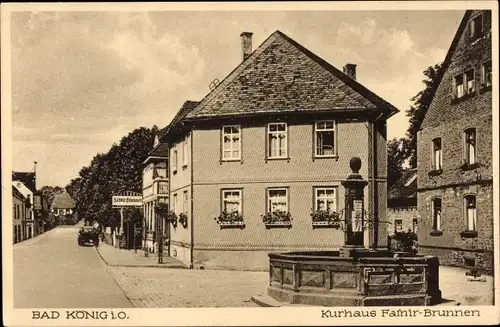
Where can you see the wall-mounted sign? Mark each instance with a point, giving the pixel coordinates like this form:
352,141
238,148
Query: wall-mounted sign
127,201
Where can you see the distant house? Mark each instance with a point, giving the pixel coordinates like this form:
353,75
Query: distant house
402,203
154,189
20,207
455,158
63,208
25,183
268,145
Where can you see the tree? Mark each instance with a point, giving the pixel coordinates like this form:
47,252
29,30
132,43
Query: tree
396,156
417,111
117,170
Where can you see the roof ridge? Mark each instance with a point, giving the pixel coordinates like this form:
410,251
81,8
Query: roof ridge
230,77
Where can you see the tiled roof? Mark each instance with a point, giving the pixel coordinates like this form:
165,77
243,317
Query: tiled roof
63,201
283,76
162,148
27,178
405,187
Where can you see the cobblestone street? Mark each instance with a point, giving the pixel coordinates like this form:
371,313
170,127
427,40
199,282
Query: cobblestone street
176,288
167,288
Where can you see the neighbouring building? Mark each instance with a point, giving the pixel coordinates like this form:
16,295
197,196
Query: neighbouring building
63,208
154,190
402,203
25,183
19,210
41,211
270,143
455,159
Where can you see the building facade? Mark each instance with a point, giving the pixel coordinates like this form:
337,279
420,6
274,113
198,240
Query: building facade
267,147
455,190
25,183
154,192
19,211
402,204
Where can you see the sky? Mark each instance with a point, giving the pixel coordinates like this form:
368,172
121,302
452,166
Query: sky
83,80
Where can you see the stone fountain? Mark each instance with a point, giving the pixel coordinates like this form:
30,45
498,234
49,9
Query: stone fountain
353,275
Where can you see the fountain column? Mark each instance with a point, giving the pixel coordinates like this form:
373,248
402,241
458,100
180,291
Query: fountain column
353,210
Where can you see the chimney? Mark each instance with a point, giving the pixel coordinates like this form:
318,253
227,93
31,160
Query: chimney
246,44
350,70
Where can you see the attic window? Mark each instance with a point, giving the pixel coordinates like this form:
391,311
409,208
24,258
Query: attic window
464,84
476,27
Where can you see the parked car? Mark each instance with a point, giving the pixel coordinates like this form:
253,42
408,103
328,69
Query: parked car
87,235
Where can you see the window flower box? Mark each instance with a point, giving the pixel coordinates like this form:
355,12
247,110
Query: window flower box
277,219
183,220
465,166
172,218
436,233
326,219
230,220
436,172
468,234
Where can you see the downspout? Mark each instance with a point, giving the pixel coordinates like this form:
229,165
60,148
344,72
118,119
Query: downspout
191,265
374,173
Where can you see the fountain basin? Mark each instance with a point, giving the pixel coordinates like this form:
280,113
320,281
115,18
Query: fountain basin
366,278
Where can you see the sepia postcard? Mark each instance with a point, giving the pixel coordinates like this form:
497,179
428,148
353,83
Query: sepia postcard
250,163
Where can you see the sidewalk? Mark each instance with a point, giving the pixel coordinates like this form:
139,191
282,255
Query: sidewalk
115,257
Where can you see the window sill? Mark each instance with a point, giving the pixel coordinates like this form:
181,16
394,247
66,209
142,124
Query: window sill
469,166
279,224
325,224
463,97
468,234
316,157
484,88
436,172
436,233
230,160
278,159
227,225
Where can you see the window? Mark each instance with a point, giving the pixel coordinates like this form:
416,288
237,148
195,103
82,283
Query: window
398,225
325,199
185,201
436,214
175,204
470,212
174,162
231,142
465,84
325,138
486,73
277,140
277,200
184,153
231,201
14,211
470,146
476,27
437,154
415,225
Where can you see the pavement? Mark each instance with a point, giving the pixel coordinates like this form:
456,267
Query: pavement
115,257
52,271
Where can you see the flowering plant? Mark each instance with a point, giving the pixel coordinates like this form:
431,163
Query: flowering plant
276,216
183,219
172,218
233,217
327,217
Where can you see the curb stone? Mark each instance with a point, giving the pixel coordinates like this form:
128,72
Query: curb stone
173,266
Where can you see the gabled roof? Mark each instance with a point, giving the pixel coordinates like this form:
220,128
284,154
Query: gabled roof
63,201
181,114
405,187
17,194
447,62
283,76
27,178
